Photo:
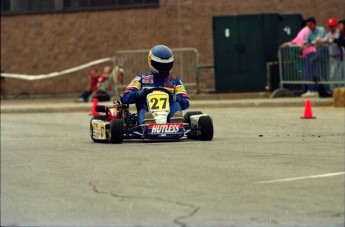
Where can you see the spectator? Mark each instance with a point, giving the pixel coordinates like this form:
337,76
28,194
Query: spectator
297,56
332,34
340,41
334,54
120,75
299,39
316,33
93,81
103,82
104,85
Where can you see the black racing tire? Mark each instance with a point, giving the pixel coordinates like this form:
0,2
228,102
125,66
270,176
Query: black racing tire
116,131
101,108
187,115
103,118
205,128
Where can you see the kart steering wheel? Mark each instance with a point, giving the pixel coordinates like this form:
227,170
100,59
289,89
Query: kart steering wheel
158,89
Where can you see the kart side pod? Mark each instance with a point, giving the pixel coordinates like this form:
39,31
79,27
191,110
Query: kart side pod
201,126
194,119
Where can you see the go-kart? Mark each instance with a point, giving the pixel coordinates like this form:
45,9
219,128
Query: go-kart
117,123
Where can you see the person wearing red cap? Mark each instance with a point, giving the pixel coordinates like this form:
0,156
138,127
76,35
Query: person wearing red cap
333,32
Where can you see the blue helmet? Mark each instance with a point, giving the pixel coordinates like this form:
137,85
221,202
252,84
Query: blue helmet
161,60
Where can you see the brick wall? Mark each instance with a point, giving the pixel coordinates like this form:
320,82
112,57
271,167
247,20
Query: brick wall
44,43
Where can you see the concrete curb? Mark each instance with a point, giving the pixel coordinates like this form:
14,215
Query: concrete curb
194,104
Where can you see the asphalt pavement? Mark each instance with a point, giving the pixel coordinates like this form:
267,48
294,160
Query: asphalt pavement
264,167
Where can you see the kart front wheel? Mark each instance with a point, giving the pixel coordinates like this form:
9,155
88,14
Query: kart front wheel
205,128
116,131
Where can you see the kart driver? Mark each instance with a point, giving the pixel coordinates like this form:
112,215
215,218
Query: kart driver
161,61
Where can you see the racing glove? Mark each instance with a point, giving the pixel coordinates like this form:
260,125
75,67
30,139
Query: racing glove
174,98
142,93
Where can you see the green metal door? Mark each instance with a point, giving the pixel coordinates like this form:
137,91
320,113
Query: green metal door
271,29
252,58
238,53
244,44
225,35
290,25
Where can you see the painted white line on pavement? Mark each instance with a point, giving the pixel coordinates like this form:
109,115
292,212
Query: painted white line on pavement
301,178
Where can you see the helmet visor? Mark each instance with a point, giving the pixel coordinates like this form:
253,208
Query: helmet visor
162,67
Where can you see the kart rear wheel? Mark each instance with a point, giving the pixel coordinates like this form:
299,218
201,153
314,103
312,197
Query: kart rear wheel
187,115
103,118
116,131
205,128
101,108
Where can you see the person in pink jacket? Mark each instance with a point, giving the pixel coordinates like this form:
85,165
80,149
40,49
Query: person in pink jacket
299,41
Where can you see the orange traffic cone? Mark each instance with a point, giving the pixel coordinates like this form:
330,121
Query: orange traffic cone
308,114
93,108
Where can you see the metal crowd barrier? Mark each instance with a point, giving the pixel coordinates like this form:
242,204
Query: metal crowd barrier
325,66
134,62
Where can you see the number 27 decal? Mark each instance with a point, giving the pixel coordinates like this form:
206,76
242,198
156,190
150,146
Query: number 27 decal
160,103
